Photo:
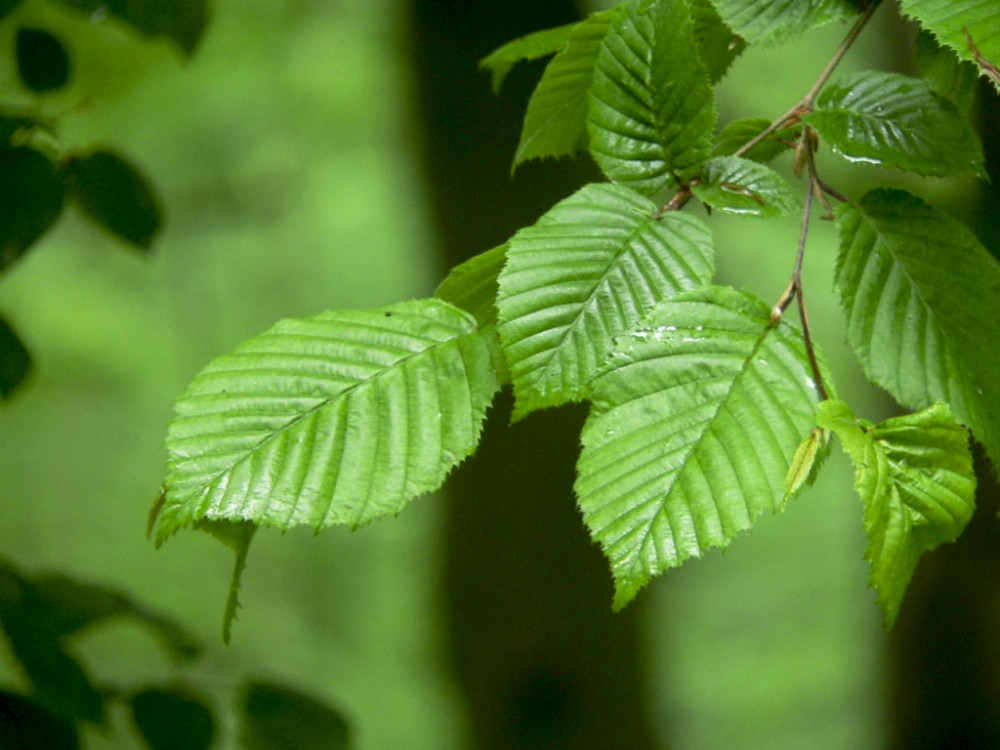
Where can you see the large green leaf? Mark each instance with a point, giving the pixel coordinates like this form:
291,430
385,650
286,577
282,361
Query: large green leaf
897,121
335,419
587,271
914,474
957,22
652,111
695,420
529,47
742,186
922,300
775,21
556,121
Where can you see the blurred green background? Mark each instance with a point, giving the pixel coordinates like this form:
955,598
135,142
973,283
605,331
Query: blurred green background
285,152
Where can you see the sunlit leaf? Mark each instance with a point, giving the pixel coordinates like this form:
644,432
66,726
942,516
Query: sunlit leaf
587,271
914,474
805,463
31,194
183,21
652,111
335,419
967,26
736,185
276,718
42,61
922,299
695,420
897,121
776,21
173,718
6,6
529,47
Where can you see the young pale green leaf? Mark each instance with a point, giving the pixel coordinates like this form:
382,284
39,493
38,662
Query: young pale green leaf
741,186
922,300
335,419
695,420
529,47
777,21
472,285
897,121
970,27
947,76
732,138
587,271
652,111
805,463
914,474
555,123
718,46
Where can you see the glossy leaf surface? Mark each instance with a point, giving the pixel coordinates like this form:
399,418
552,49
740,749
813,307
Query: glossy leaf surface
775,21
742,186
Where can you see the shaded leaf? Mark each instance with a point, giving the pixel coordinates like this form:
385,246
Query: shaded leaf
173,718
652,111
276,718
183,21
236,536
116,195
718,45
6,6
15,361
922,300
695,420
777,21
967,26
42,61
914,474
945,74
32,196
897,121
335,419
529,47
588,270
732,138
25,724
555,123
741,186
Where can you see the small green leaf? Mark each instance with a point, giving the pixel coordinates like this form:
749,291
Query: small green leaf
695,420
587,271
555,123
777,21
806,460
277,718
732,138
922,300
967,26
335,419
116,195
897,121
945,74
915,478
173,718
741,186
28,725
31,194
42,61
529,47
15,360
472,286
183,21
651,111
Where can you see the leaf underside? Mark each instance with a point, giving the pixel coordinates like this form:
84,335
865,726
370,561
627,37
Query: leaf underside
335,419
694,423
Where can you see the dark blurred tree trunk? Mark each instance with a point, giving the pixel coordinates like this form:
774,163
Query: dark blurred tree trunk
945,647
541,659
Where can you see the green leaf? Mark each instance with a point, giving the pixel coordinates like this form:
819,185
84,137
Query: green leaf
922,300
587,271
183,21
28,725
732,138
897,121
777,21
718,45
945,74
529,47
967,26
695,420
116,195
31,194
473,287
173,718
6,6
651,111
741,186
15,360
236,536
805,462
335,419
556,121
276,718
42,61
914,474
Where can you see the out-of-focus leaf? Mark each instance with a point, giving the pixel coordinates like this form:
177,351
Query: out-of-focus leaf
42,61
115,194
31,195
742,186
6,6
278,718
25,724
183,21
15,361
173,719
